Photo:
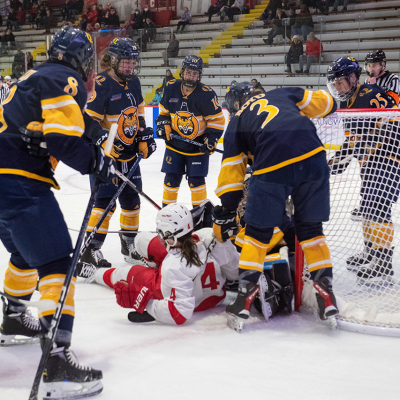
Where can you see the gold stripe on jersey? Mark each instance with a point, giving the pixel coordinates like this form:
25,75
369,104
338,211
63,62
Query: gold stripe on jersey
141,112
62,115
379,234
316,253
50,289
170,194
231,176
253,254
162,110
20,172
288,162
129,219
20,282
199,194
95,217
94,114
316,104
216,121
181,152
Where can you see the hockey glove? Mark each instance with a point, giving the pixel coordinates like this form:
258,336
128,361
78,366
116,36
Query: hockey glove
132,295
209,146
147,145
33,136
339,162
117,148
103,166
224,223
163,127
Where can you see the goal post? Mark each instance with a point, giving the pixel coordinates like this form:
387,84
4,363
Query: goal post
363,150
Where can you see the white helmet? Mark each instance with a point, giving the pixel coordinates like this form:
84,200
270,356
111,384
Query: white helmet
173,222
7,78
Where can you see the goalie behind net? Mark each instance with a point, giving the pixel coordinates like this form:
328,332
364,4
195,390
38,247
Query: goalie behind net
363,151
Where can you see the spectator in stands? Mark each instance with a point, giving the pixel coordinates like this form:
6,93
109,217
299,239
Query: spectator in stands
18,71
314,50
172,49
323,6
235,9
69,10
49,21
278,28
294,53
304,23
113,19
7,41
101,12
40,16
19,59
157,98
21,16
29,60
256,85
214,9
79,5
168,77
89,27
149,34
108,7
127,30
336,5
92,15
146,13
270,11
186,18
12,22
136,20
4,90
33,14
26,4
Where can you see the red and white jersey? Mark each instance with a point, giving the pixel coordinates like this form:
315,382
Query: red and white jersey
181,289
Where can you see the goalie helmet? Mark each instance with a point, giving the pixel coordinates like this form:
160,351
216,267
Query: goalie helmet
124,49
194,63
376,56
236,94
173,222
74,48
343,75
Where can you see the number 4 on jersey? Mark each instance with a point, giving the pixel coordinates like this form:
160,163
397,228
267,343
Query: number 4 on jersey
209,275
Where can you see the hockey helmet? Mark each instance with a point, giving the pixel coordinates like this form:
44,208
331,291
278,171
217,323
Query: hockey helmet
193,63
236,94
173,222
343,75
124,49
74,48
376,56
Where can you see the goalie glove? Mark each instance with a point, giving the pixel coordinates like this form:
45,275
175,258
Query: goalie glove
33,136
163,127
224,223
117,148
132,295
209,146
146,143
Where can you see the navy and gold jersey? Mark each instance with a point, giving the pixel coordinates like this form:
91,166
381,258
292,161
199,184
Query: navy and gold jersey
194,116
274,130
121,103
55,95
369,96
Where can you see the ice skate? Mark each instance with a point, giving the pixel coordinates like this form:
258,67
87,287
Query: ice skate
91,260
239,310
326,300
380,271
355,262
18,328
64,378
128,249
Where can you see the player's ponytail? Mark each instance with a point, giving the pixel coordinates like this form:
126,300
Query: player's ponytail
105,64
189,250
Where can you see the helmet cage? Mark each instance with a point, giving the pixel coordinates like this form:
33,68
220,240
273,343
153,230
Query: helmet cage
352,81
194,63
124,49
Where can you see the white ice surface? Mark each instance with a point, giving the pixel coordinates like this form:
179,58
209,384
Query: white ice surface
291,357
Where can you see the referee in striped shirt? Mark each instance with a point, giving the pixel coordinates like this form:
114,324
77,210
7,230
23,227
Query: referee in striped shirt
4,90
375,65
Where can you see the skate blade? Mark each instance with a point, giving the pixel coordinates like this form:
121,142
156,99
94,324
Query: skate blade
71,390
235,323
17,340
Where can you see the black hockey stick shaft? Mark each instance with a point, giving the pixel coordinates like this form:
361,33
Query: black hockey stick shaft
173,136
137,190
50,335
110,205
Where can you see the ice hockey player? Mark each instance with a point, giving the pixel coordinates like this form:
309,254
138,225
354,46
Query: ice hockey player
41,124
189,109
375,66
274,129
188,274
376,147
118,99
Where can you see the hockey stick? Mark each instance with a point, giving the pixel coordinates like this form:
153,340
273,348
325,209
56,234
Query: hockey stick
137,190
173,136
55,321
41,305
110,205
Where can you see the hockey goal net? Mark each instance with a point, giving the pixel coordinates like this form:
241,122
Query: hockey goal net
363,149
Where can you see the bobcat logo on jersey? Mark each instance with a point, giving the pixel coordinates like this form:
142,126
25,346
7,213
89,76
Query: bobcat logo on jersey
186,124
128,124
